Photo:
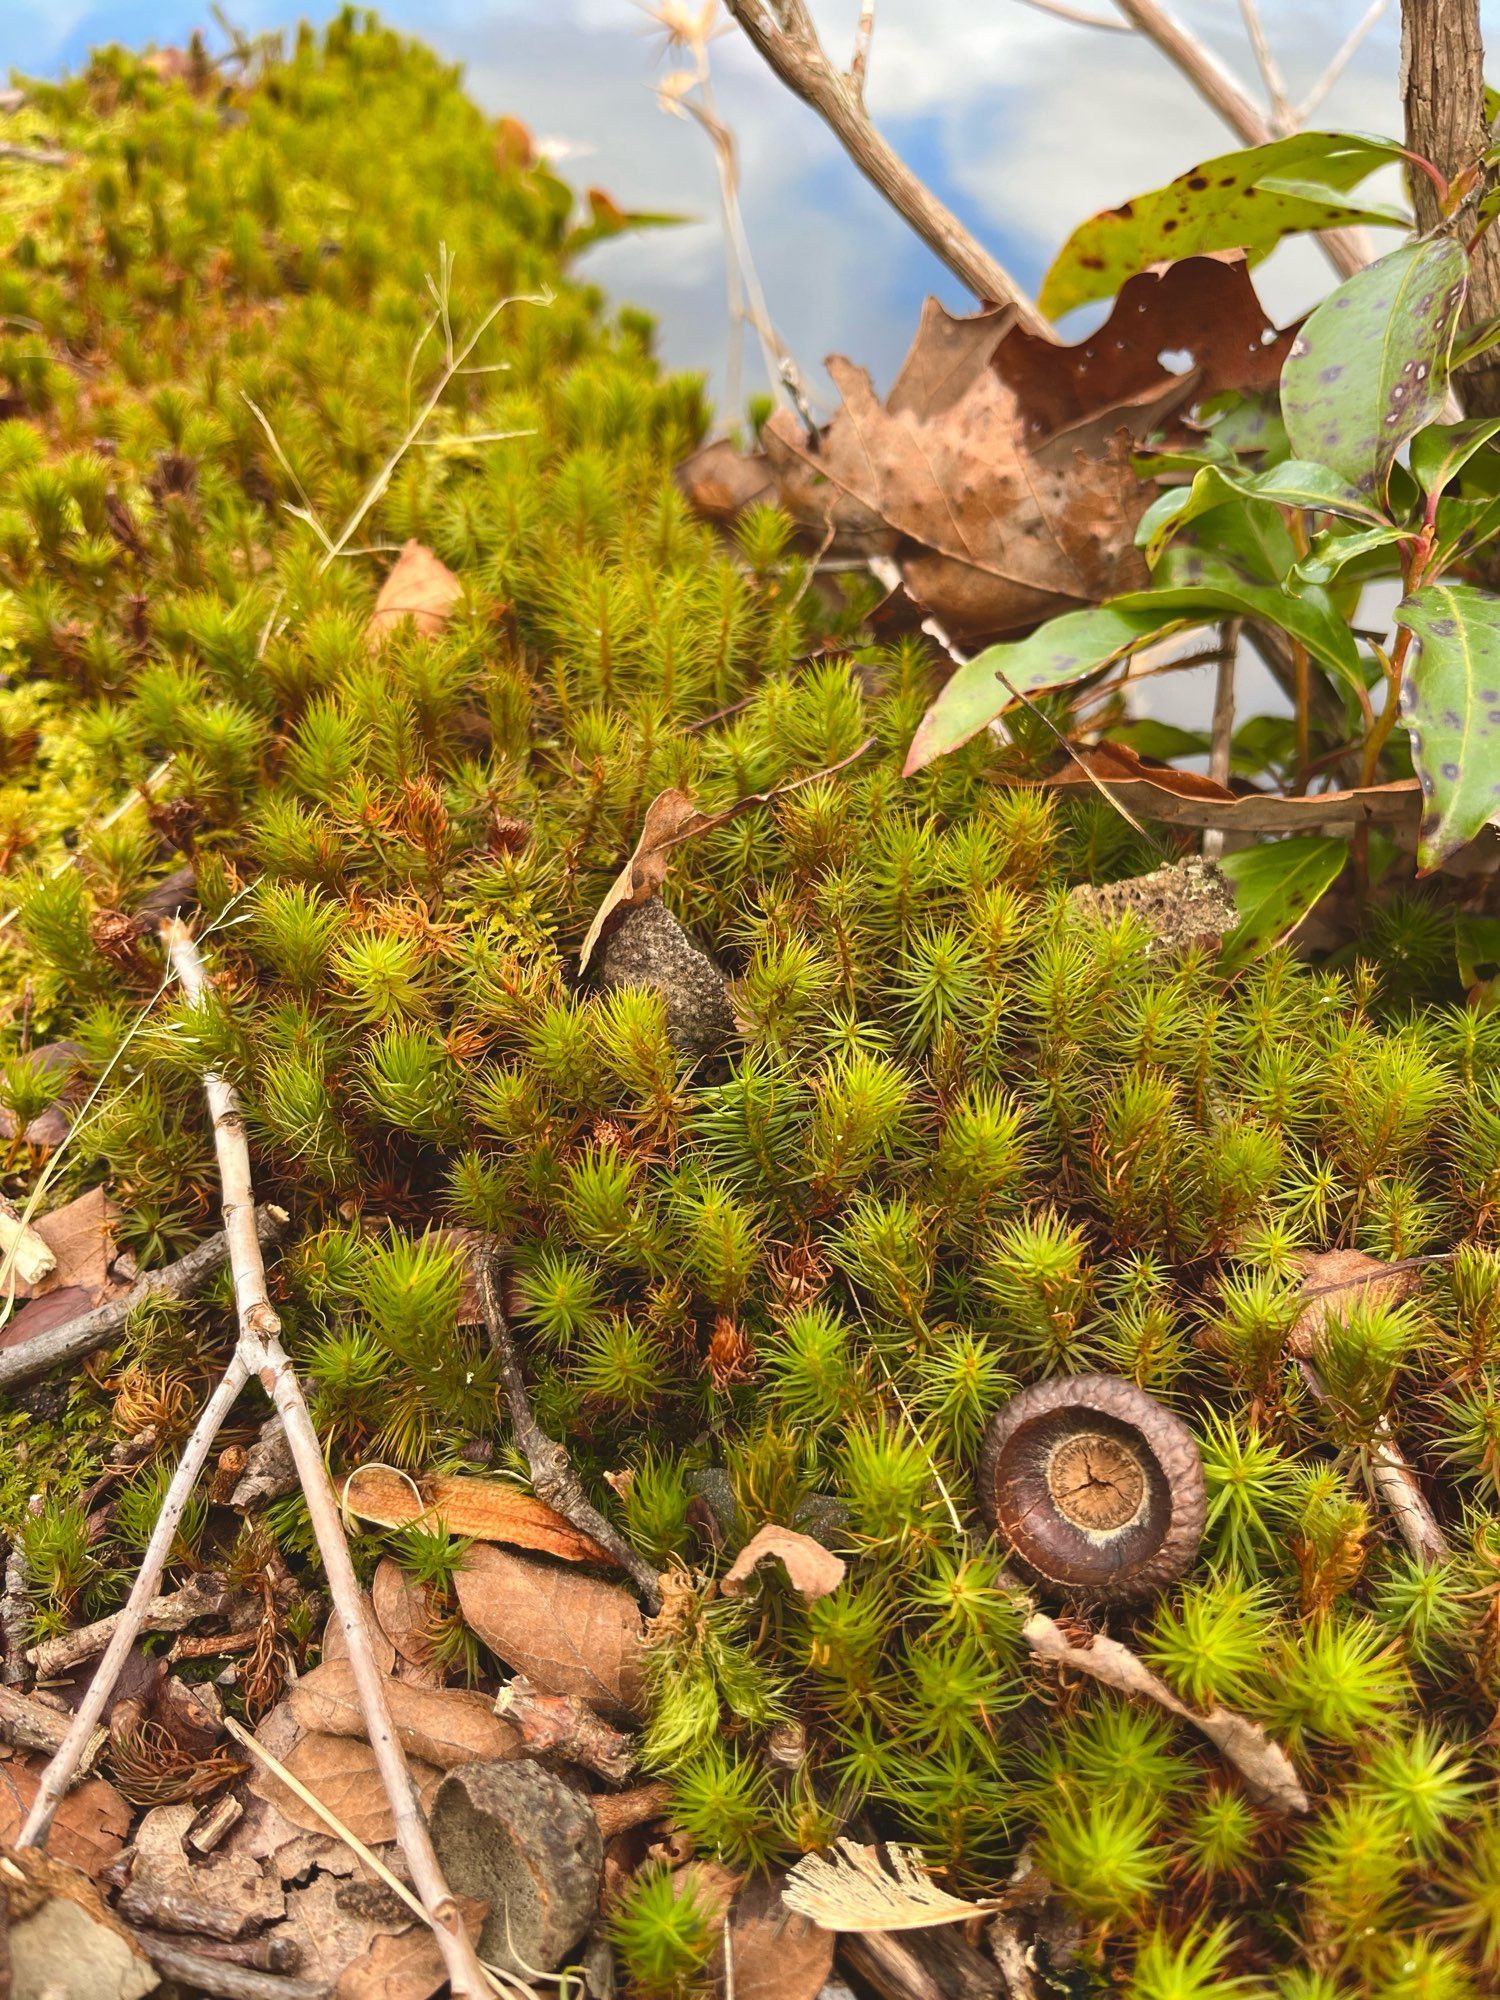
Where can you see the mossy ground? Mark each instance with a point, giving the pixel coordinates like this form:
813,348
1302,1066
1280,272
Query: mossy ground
964,1144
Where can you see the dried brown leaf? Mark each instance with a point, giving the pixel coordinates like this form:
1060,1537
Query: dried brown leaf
341,1773
814,1571
92,1823
721,482
403,1612
226,1896
669,814
1184,798
333,1928
1335,1280
481,1510
773,1953
81,1237
570,1634
441,1726
336,1647
408,1965
421,588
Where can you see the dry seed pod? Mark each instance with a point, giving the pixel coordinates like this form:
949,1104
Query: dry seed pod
1095,1487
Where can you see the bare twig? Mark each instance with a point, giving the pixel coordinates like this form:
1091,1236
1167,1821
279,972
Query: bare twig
1396,1483
1221,741
15,1611
259,1352
1340,61
29,1724
1348,250
1078,16
1270,75
1262,1763
552,1476
559,1725
200,1973
859,64
93,1330
204,1596
34,156
783,33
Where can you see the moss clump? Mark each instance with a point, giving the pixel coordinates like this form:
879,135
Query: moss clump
961,1142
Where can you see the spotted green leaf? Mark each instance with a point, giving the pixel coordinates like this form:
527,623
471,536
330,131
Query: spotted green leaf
1440,453
1294,483
1370,367
1450,702
1275,886
1237,201
1066,649
1330,554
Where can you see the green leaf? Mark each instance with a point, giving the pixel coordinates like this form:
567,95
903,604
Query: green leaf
1065,649
1331,553
1440,453
1370,366
1275,886
1450,702
1294,483
1237,201
1473,341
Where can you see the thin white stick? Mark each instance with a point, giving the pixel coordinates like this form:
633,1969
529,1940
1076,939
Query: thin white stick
1221,742
260,1347
1340,62
59,1772
1078,16
859,63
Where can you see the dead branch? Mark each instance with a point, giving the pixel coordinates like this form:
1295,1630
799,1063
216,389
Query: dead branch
203,1596
783,33
552,1476
1348,250
29,1724
1263,1764
1078,16
201,1973
859,64
1270,74
1339,62
34,156
559,1725
259,1352
92,1330
15,1610
617,1812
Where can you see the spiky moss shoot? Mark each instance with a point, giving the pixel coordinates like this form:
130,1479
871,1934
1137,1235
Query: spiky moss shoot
664,1929
968,1138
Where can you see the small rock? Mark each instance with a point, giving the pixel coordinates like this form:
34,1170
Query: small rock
648,947
270,1473
527,1843
1184,904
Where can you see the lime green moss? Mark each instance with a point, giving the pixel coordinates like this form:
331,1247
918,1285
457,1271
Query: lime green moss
966,1142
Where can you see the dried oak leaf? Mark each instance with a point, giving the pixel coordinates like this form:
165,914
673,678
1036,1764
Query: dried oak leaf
91,1825
669,814
1335,1280
441,1726
480,1510
568,1633
402,1611
407,1965
421,588
81,1237
772,1953
813,1570
333,1929
720,482
225,1896
336,1646
989,537
341,1774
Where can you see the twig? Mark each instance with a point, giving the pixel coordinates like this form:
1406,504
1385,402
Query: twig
29,1724
783,33
1078,16
1339,63
1348,250
1262,1763
559,1725
203,1596
1396,1483
552,1476
15,1610
1270,75
93,1330
859,62
34,156
259,1352
202,1974
1223,726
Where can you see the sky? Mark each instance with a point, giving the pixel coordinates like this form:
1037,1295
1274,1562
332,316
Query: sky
1022,122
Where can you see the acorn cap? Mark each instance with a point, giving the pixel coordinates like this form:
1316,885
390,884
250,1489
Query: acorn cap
1095,1487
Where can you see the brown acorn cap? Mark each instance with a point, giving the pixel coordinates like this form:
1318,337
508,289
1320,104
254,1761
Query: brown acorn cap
1094,1486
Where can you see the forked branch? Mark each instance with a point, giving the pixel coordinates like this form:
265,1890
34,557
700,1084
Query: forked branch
783,32
259,1352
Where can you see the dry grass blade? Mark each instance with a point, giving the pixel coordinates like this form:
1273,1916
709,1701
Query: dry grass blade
857,1888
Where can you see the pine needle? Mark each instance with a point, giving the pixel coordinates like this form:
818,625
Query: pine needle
855,1888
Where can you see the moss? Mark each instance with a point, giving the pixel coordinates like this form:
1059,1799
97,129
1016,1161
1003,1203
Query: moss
958,1143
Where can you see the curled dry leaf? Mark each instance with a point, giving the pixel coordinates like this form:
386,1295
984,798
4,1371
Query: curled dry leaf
91,1825
770,1952
1185,798
480,1510
336,1647
669,814
420,588
813,1570
402,1611
569,1634
342,1775
439,1726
